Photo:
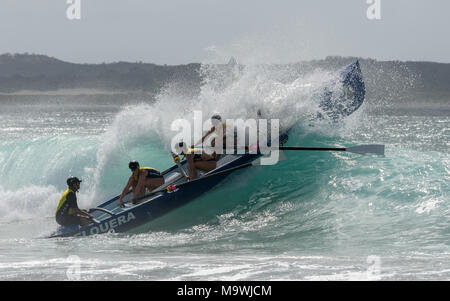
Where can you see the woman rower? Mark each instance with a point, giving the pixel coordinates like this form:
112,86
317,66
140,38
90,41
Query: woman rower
140,179
205,162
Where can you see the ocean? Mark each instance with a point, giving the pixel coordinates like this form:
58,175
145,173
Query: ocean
314,216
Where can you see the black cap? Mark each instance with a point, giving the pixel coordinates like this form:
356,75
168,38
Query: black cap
72,180
216,116
133,165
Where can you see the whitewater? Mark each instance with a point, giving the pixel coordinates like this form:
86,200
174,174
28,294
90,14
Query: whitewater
314,216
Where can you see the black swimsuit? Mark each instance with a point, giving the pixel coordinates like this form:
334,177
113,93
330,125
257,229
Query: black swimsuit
153,173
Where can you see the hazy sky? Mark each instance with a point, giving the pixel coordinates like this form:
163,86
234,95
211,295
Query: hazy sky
184,31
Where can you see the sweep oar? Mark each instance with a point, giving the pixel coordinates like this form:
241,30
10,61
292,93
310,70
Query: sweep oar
377,149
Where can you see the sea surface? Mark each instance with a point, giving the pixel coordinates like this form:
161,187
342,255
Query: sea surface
314,216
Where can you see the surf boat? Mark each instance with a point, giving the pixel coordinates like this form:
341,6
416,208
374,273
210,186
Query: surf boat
178,191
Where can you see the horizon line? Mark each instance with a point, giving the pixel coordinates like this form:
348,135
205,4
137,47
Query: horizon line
165,64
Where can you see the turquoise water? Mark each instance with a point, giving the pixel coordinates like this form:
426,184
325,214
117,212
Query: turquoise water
315,216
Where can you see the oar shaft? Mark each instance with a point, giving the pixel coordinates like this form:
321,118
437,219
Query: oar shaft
342,149
377,149
254,147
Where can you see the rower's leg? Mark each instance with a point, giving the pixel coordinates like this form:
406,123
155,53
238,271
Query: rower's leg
84,221
150,184
192,170
206,165
154,183
139,192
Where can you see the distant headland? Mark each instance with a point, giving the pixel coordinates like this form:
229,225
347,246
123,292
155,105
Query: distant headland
26,74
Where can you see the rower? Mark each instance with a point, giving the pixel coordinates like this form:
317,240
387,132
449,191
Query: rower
200,160
140,179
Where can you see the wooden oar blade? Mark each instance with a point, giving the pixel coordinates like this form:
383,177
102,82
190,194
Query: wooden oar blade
377,149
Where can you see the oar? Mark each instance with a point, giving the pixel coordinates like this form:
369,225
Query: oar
377,149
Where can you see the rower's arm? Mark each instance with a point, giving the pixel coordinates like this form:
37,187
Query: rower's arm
140,183
126,189
204,137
